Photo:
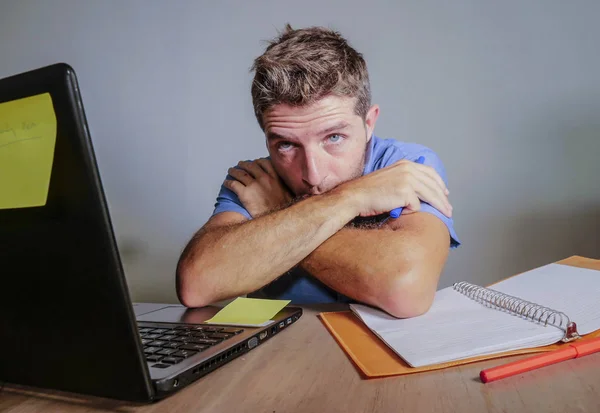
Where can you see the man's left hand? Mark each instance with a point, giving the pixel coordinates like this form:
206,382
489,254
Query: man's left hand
258,186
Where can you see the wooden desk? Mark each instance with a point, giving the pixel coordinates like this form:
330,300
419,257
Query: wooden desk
304,370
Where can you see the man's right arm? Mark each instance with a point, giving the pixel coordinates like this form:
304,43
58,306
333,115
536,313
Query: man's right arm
209,269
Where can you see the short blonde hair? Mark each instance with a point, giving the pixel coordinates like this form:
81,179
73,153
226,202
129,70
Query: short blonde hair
302,66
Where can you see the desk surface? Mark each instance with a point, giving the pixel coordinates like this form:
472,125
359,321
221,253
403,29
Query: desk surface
304,370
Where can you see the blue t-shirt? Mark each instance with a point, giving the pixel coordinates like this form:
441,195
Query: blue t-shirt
298,285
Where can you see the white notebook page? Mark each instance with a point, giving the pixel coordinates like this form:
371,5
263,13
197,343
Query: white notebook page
457,327
574,291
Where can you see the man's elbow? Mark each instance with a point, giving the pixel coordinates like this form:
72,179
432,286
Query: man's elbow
188,291
409,295
407,306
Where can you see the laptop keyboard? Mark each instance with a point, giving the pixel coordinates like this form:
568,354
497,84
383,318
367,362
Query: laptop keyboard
164,347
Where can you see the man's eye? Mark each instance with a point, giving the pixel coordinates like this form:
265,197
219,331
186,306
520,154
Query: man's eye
335,138
284,146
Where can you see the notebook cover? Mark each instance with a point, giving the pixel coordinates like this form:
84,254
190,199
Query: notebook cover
375,359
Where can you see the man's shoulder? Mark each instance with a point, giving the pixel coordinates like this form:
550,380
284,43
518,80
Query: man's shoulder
387,151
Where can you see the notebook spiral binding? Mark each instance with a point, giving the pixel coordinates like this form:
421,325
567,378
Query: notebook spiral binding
519,307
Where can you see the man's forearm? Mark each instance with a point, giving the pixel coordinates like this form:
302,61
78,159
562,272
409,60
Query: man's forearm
355,262
386,268
234,260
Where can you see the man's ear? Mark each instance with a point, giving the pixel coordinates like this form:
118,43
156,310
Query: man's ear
370,120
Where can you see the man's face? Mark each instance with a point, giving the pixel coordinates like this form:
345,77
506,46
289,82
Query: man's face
315,148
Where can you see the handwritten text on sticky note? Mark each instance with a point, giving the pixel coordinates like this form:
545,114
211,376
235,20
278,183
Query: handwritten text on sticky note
27,139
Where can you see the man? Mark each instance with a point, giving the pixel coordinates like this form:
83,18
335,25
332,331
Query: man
301,212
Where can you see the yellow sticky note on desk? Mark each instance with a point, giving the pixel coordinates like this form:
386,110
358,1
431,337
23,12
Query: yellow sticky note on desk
248,311
27,138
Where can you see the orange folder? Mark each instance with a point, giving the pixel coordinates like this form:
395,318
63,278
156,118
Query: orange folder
375,359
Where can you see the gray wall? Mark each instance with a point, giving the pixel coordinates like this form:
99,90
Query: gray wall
507,92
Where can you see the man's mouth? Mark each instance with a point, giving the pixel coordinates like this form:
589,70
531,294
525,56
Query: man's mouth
310,193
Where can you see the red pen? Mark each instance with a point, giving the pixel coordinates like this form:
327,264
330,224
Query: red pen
570,351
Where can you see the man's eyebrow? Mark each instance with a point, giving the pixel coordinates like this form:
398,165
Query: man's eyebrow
272,136
334,128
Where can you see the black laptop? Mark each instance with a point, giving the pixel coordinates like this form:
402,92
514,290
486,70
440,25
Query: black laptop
66,319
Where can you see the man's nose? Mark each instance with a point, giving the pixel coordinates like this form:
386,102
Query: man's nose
312,173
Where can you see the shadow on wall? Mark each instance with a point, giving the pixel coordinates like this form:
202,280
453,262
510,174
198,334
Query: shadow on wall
550,203
150,273
548,236
517,244
572,225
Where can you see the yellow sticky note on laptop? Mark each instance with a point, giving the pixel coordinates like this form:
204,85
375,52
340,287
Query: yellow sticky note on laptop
27,138
249,312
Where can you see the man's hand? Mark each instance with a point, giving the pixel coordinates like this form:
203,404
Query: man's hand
402,184
258,186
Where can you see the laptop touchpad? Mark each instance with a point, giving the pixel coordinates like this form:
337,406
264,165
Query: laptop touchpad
179,314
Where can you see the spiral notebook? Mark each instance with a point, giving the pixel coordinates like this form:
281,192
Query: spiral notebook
547,305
